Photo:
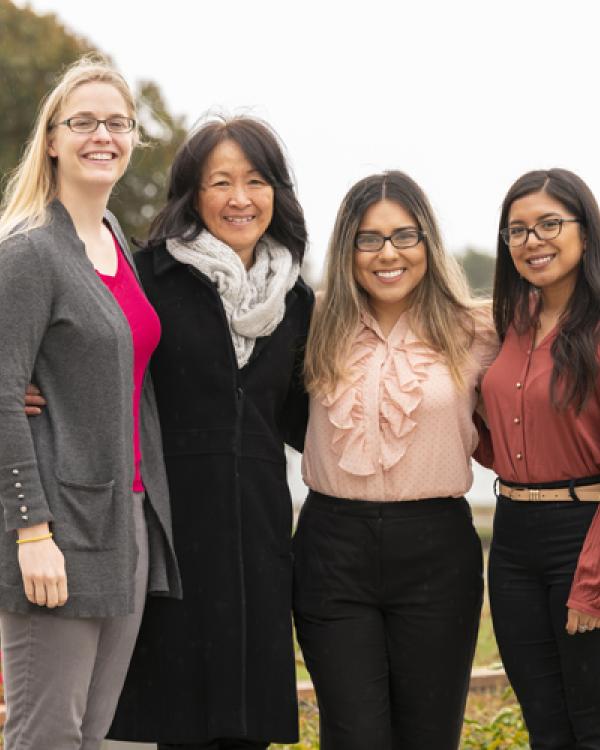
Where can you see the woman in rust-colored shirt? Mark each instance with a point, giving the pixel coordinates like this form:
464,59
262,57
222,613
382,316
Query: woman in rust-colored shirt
543,411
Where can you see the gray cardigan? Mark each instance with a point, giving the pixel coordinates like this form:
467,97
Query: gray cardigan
61,328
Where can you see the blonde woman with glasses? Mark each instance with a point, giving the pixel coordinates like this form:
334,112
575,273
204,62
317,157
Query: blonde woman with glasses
388,581
83,487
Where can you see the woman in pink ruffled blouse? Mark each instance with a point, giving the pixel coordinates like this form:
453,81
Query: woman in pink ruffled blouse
388,579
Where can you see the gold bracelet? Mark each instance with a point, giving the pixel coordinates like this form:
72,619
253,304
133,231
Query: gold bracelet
49,535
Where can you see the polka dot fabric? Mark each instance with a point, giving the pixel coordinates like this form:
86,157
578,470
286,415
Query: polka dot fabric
399,428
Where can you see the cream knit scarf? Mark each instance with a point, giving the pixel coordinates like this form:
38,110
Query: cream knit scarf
254,300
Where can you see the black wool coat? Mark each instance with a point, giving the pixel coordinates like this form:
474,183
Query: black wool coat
220,663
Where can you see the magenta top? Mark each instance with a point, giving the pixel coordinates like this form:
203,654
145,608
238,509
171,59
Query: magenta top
145,332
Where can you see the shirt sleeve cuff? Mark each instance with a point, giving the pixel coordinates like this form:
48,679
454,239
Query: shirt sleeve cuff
589,608
22,496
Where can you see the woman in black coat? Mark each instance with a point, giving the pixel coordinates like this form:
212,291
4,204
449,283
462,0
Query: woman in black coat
216,670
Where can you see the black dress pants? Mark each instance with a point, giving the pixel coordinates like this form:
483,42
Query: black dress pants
219,745
386,604
556,676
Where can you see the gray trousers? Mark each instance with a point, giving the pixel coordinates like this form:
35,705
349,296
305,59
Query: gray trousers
63,676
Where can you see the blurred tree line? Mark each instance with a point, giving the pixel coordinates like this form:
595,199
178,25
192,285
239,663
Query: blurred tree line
34,50
479,268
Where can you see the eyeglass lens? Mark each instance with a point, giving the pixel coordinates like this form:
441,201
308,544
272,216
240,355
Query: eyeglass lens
543,230
90,124
401,239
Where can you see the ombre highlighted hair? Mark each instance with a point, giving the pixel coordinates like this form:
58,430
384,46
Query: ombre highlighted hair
442,310
33,185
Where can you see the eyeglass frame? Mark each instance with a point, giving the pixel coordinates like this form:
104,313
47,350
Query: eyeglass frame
99,122
421,235
532,230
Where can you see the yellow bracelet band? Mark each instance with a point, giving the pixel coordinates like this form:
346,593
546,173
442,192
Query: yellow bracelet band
49,535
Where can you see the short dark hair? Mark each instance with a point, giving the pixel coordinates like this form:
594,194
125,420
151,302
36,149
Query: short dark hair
574,351
179,218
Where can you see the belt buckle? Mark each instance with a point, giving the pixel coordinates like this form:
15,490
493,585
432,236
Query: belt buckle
534,494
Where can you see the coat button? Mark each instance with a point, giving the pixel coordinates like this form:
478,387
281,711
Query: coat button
23,509
21,497
18,485
15,471
25,518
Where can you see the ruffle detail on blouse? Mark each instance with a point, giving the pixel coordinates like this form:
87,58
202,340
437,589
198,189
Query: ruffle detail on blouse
400,393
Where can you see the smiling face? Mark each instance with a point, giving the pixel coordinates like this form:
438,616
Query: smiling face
90,161
552,265
234,200
389,276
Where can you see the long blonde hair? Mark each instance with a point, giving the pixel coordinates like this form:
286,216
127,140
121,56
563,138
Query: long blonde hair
442,310
32,185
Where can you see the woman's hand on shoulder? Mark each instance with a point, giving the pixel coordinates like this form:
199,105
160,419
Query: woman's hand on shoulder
42,568
33,401
581,622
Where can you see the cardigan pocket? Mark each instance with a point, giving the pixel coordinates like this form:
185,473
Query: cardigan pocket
84,517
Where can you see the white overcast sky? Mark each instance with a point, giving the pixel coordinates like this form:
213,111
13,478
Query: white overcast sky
463,95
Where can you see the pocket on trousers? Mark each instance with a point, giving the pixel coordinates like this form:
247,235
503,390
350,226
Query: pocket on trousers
84,517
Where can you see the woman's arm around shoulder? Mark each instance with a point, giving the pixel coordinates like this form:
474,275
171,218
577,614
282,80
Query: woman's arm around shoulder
485,345
296,405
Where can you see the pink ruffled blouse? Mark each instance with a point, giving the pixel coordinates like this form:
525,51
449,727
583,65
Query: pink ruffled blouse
398,428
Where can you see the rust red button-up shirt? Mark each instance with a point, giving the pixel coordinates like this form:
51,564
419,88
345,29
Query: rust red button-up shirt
530,441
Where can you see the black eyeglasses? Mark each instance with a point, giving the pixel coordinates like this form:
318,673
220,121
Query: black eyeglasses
85,124
401,239
548,229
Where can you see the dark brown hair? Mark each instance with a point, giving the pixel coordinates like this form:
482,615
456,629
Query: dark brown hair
574,351
179,218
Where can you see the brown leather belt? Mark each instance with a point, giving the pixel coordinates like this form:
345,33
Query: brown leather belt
588,492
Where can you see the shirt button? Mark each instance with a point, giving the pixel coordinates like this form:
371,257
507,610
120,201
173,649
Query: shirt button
23,509
519,385
519,456
516,420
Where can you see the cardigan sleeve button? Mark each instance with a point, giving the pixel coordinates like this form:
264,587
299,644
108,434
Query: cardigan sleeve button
18,485
23,509
15,471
